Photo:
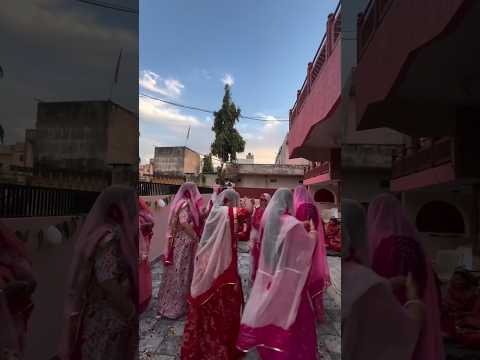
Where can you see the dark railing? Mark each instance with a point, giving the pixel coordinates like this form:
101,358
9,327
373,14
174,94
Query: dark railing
31,201
155,189
321,169
368,23
438,153
321,56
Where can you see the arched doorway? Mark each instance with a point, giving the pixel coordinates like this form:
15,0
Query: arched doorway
440,217
324,196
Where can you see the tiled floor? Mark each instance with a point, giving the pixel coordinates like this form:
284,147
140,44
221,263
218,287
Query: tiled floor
161,339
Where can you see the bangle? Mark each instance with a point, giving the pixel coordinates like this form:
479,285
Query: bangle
414,301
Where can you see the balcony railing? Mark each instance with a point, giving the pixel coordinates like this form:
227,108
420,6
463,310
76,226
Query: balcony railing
155,189
321,56
31,201
369,21
322,169
436,154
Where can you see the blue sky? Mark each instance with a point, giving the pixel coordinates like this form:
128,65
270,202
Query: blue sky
188,49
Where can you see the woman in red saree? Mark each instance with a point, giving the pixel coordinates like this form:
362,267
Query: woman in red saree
319,280
394,250
102,300
279,320
146,224
216,299
255,233
17,284
184,230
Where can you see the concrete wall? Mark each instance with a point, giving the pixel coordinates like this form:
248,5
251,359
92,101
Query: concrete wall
363,185
268,181
72,135
169,160
123,135
191,164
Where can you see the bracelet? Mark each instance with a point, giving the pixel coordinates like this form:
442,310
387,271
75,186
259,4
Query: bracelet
414,301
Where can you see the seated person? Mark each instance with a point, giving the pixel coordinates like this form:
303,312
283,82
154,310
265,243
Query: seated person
333,235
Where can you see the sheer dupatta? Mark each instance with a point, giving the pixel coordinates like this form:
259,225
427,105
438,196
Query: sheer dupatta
213,258
285,261
146,224
187,195
115,210
305,210
394,249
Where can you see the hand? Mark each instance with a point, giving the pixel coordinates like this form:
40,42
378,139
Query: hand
411,290
312,226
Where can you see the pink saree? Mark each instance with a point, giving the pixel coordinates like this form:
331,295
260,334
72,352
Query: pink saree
255,236
395,251
278,318
145,223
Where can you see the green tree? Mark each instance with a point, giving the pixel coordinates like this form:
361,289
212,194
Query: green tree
228,141
207,164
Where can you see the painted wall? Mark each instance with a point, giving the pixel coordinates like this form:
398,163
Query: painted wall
268,181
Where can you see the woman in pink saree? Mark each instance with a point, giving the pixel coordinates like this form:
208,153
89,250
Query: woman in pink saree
146,224
278,319
184,230
102,300
213,320
319,281
17,284
375,326
394,250
255,233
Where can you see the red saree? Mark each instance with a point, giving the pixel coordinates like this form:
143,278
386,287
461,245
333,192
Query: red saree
213,319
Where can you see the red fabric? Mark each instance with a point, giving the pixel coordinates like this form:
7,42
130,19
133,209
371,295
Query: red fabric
243,217
145,285
213,320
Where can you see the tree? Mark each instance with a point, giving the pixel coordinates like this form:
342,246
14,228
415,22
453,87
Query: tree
228,141
207,164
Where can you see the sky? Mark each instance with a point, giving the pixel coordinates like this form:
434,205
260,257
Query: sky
190,49
63,50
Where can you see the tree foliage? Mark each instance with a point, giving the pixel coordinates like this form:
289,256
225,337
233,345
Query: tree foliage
228,141
207,164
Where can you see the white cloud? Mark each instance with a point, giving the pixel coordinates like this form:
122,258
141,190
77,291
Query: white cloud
228,79
154,111
151,81
147,148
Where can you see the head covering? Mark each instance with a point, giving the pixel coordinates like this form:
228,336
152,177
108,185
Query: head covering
285,260
188,193
369,307
10,243
394,250
214,252
114,211
146,224
305,209
266,196
354,232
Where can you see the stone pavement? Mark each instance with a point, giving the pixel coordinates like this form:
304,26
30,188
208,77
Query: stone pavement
162,339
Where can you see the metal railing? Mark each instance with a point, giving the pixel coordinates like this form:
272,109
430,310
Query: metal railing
155,189
321,56
369,21
322,169
32,201
436,154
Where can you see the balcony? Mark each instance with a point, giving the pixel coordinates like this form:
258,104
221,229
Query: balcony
324,171
416,64
442,161
318,98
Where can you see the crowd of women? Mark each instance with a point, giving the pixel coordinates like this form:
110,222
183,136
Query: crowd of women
201,280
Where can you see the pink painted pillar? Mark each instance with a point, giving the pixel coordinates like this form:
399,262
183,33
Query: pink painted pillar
329,35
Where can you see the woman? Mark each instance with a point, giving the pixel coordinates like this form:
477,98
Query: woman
278,319
101,305
146,224
333,235
243,220
394,250
184,230
17,285
255,232
374,324
216,299
306,210
217,189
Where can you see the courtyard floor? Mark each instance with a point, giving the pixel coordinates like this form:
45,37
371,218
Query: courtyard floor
162,339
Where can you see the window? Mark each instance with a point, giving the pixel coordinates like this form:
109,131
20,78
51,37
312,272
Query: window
273,180
440,217
325,196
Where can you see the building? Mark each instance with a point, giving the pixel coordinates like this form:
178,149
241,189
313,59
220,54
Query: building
429,93
176,161
251,180
93,140
249,159
16,162
283,159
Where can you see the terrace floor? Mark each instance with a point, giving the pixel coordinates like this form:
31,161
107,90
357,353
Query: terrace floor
162,339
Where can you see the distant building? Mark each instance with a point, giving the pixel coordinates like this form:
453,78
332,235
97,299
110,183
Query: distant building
282,156
93,140
16,162
176,161
251,180
250,159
